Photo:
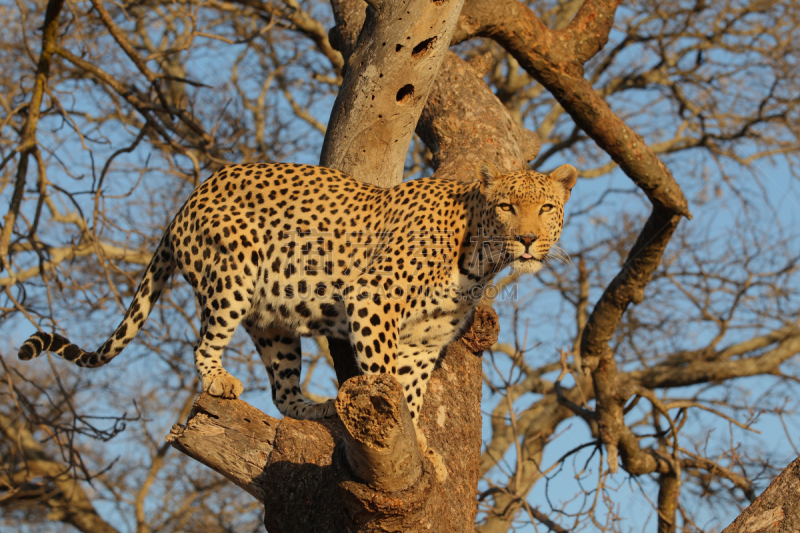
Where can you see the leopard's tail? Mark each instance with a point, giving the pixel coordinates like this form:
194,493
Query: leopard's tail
156,276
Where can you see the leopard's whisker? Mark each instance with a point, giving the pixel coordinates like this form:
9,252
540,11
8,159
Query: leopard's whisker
557,253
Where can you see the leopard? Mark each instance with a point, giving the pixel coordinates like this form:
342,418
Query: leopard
291,250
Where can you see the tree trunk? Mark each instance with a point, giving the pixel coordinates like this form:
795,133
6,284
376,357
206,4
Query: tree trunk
777,510
387,77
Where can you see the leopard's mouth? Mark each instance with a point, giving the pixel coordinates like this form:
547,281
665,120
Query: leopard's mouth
526,257
527,263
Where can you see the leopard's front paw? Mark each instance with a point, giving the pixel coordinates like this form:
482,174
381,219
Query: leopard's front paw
422,441
436,460
223,385
438,464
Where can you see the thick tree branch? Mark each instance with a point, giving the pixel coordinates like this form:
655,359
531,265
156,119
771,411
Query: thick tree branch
588,30
489,134
669,488
721,368
610,389
380,442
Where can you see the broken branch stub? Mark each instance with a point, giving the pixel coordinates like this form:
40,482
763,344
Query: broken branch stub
231,437
380,441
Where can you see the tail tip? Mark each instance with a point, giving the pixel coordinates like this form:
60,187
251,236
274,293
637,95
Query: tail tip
34,346
26,352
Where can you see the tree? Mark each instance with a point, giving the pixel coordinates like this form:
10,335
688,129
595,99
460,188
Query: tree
128,107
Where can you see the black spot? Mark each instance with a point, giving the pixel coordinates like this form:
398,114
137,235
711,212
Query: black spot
303,310
123,329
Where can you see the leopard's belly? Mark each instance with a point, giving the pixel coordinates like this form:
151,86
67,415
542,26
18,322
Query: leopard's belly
319,309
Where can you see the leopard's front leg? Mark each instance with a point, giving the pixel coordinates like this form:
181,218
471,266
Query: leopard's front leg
373,335
415,366
414,369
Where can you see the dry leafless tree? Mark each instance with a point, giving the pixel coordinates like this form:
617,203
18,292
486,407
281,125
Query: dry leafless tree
647,380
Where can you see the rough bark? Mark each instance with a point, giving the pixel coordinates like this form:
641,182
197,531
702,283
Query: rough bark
777,510
380,441
308,473
669,487
464,123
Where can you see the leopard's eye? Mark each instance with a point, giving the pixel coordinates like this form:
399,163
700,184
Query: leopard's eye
506,207
547,207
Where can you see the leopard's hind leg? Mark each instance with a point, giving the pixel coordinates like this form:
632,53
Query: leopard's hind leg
282,356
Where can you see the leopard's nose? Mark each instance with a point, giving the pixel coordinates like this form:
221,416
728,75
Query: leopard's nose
527,240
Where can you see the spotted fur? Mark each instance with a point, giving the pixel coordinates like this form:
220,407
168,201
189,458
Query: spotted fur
294,250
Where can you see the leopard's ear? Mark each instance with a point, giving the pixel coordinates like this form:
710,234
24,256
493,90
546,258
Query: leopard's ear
566,176
488,174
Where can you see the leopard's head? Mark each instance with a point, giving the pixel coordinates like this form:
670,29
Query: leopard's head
524,213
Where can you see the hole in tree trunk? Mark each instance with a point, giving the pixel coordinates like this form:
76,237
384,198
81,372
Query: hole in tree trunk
405,93
423,48
398,47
